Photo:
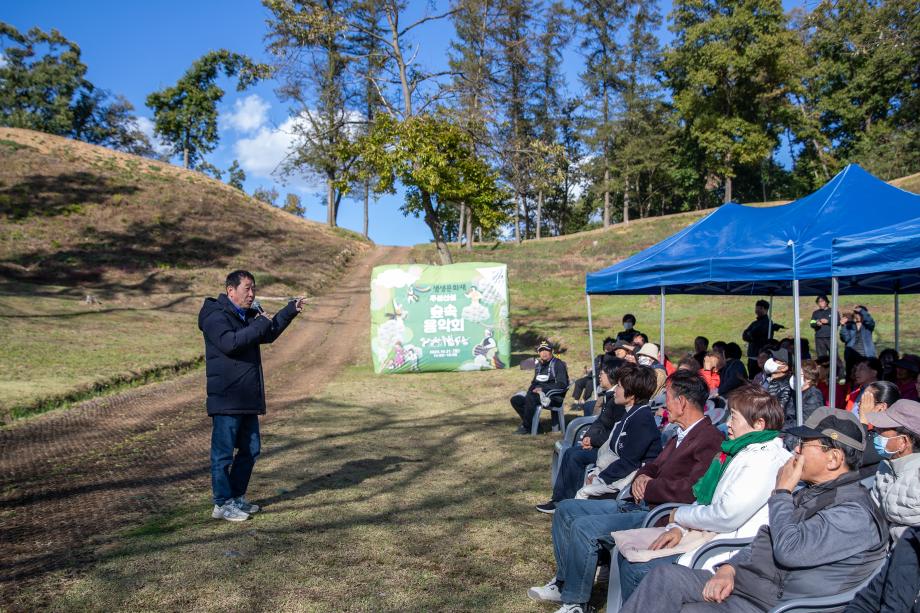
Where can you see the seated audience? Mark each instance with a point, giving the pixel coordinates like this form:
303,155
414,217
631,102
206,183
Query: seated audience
700,348
713,363
825,538
623,386
888,357
550,381
864,372
878,396
905,374
779,369
583,388
811,396
895,588
731,497
897,482
761,379
582,527
733,374
824,374
647,355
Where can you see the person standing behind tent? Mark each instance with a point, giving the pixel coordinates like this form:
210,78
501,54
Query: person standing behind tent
629,329
821,323
856,331
757,334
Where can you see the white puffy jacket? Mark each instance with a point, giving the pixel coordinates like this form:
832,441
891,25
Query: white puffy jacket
739,504
897,492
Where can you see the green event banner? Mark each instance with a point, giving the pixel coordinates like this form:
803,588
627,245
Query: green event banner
436,318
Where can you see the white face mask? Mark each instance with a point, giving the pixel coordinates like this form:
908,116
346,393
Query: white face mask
770,366
797,381
645,360
627,325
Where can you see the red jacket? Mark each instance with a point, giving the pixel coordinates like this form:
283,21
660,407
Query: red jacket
677,469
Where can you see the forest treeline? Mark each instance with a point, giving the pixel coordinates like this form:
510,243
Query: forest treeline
498,140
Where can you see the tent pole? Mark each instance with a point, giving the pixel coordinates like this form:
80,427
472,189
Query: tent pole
591,347
770,318
897,322
661,330
832,378
798,353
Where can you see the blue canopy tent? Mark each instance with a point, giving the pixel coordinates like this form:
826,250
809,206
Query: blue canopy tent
774,251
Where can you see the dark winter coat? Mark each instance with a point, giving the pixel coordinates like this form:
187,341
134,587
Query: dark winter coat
233,362
896,588
732,375
822,330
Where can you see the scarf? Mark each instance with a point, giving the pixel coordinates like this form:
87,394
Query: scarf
704,489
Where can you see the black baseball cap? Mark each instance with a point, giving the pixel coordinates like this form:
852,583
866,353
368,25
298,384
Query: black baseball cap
780,355
835,424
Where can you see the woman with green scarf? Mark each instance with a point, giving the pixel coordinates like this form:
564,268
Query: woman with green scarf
731,497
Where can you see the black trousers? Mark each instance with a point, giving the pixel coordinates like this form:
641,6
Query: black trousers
526,407
583,387
822,346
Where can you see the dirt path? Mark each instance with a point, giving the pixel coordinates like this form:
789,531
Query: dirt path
69,479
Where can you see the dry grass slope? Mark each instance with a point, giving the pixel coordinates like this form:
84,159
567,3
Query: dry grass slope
146,240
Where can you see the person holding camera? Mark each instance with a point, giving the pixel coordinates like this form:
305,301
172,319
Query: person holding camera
234,325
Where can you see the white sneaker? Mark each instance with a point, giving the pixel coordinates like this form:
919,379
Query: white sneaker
245,506
229,511
547,593
571,608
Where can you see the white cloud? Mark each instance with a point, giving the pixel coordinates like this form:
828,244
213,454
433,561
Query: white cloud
262,153
248,114
2,61
145,125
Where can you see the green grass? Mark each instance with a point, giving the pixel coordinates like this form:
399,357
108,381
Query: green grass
391,493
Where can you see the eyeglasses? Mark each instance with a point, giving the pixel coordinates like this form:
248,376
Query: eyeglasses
823,446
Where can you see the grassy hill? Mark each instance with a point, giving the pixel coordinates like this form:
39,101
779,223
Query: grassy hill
547,277
105,257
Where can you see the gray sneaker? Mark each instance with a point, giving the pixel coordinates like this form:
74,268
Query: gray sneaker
229,511
245,506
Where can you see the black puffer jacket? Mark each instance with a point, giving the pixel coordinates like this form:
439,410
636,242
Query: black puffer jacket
896,588
233,361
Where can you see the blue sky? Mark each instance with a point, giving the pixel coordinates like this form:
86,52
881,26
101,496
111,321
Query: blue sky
135,48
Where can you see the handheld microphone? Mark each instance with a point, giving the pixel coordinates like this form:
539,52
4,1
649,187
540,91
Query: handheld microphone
258,307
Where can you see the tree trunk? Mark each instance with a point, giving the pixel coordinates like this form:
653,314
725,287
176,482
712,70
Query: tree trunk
433,223
626,202
367,197
517,218
469,231
330,202
185,157
607,198
461,225
527,233
728,191
539,212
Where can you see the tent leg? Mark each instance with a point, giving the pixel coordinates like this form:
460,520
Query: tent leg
661,330
897,322
798,353
591,347
832,378
770,318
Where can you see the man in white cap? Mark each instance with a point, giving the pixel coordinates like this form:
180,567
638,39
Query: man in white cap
548,387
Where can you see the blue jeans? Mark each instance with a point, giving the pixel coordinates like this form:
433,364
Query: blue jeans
632,573
580,529
230,475
571,474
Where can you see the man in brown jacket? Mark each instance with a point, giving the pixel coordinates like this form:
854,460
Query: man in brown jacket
582,527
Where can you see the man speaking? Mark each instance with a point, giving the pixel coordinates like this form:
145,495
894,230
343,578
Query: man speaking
234,325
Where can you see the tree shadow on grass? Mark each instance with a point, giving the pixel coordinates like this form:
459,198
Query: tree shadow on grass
49,196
